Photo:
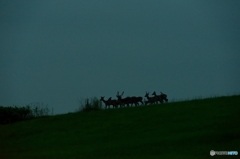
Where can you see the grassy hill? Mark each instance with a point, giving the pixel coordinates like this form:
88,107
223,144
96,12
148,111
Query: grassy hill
188,129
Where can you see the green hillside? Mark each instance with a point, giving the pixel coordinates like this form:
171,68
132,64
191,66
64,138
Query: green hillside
188,129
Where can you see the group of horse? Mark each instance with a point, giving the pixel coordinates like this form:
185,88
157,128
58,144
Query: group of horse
121,102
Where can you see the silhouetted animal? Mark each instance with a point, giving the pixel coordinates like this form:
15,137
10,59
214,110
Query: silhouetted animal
150,100
123,101
161,98
109,102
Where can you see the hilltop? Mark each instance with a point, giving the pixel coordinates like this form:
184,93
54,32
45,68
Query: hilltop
187,129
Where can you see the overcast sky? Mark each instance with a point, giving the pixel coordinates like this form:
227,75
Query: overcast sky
58,51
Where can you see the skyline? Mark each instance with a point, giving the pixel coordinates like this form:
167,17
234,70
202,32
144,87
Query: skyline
59,52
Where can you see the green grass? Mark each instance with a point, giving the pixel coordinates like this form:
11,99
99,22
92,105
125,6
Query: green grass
187,129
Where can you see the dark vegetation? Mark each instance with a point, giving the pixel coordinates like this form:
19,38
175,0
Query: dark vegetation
11,114
186,129
91,104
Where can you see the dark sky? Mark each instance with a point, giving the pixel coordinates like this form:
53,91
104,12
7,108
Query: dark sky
58,51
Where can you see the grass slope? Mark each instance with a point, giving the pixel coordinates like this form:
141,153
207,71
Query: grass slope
188,129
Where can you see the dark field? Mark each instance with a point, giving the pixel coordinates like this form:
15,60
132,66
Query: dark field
188,129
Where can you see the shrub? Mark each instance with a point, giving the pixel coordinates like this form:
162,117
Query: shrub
90,105
39,109
14,114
